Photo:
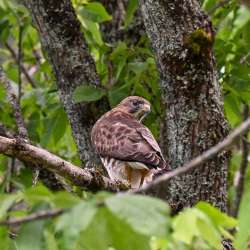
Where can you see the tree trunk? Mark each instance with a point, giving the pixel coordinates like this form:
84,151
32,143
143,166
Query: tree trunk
72,64
182,38
114,30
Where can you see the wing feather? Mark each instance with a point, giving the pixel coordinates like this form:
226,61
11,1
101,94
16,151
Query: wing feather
118,135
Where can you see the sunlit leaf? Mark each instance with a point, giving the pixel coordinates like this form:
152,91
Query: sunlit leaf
95,12
108,231
132,6
145,215
243,235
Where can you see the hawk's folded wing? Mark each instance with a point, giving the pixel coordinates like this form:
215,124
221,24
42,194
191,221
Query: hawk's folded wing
121,137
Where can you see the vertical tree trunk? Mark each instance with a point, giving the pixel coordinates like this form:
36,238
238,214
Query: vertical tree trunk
114,30
182,38
72,64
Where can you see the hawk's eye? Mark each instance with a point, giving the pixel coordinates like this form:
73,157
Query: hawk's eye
135,103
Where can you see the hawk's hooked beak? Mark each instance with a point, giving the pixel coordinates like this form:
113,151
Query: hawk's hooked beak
146,110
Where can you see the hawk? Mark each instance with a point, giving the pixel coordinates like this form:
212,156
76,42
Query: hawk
127,148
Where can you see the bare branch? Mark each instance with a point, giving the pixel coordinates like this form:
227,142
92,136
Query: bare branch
240,174
23,133
198,161
32,217
80,177
24,70
20,55
220,4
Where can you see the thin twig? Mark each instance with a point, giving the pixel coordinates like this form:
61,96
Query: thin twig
20,52
78,176
198,161
240,174
24,70
218,5
23,133
32,217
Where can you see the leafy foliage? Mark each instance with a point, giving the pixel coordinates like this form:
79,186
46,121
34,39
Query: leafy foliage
108,221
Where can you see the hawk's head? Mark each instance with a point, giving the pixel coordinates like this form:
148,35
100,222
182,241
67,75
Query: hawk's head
136,106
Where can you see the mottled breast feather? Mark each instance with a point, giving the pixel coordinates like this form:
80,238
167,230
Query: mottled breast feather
120,136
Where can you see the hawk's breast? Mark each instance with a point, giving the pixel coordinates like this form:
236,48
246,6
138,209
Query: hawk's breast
134,173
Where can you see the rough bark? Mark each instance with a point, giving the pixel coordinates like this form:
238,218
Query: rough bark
182,38
114,31
72,64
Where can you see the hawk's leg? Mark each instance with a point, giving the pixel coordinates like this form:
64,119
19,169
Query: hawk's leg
129,173
144,173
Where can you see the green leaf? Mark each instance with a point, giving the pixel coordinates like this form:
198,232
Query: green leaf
232,108
55,126
132,6
6,202
77,218
107,231
50,241
75,221
138,67
30,236
93,28
145,215
209,233
60,124
87,93
95,12
115,95
192,223
218,218
185,227
208,4
242,19
38,194
242,239
64,199
4,238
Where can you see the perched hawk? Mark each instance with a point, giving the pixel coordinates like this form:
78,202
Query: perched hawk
126,147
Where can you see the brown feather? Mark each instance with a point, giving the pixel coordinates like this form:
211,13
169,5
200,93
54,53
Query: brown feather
119,135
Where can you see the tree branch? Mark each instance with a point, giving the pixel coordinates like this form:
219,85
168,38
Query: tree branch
198,161
240,174
80,177
72,64
35,216
193,119
23,133
24,70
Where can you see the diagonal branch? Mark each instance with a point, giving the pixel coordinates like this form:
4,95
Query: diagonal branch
23,69
35,216
78,176
67,51
240,174
23,133
201,159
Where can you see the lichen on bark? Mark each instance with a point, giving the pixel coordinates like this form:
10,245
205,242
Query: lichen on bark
67,51
194,119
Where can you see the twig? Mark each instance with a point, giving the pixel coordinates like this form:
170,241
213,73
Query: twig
23,133
218,5
240,174
20,52
24,70
207,155
35,155
4,132
32,217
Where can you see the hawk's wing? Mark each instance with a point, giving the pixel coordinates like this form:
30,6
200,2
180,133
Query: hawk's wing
120,136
